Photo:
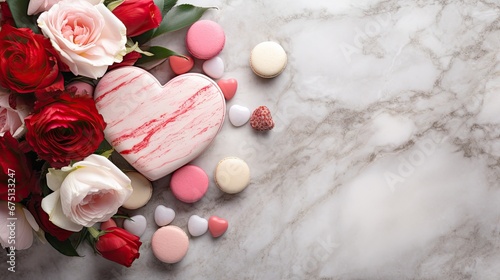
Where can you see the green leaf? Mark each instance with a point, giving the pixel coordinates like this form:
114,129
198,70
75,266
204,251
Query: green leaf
158,53
103,147
179,17
111,6
164,6
43,180
121,217
167,6
107,153
82,236
64,247
144,37
19,10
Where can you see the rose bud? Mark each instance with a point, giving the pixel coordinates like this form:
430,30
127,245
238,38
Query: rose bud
117,245
138,16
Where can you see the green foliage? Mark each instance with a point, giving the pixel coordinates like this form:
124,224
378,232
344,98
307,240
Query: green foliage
19,10
158,54
64,247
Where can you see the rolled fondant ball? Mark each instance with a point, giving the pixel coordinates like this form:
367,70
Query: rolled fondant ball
268,59
142,191
205,39
189,183
170,244
232,175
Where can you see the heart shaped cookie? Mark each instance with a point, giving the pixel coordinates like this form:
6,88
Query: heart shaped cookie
156,128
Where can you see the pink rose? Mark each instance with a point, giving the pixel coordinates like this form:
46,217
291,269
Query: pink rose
88,37
38,6
13,110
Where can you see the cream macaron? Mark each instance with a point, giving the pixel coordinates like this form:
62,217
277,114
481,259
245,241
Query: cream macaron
232,175
268,59
142,191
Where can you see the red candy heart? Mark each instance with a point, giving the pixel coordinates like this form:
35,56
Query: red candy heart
181,65
228,87
217,226
261,119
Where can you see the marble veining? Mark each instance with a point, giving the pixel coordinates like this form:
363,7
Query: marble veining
383,163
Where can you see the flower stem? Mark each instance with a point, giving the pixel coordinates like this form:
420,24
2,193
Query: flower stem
94,232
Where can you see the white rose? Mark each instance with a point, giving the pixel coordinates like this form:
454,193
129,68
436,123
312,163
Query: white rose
88,192
88,37
38,6
12,120
17,232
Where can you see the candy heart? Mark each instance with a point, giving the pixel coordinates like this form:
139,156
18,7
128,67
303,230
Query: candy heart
214,67
217,226
164,215
107,224
228,87
135,225
239,115
158,129
181,65
197,225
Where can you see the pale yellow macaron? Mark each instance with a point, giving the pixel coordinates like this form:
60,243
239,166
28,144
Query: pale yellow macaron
142,191
232,175
268,59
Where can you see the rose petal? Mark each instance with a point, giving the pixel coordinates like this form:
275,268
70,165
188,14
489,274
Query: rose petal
31,220
4,231
51,204
55,178
24,231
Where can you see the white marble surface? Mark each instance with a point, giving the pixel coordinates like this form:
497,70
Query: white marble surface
384,162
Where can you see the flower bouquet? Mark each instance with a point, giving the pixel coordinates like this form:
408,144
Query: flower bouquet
57,181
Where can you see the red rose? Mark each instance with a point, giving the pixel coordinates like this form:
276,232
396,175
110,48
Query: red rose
28,62
6,15
42,219
138,16
64,128
17,175
119,245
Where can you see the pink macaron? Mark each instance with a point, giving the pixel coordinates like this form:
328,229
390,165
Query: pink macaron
189,183
170,244
205,39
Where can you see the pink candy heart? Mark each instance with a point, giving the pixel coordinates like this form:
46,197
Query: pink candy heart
181,65
228,87
217,226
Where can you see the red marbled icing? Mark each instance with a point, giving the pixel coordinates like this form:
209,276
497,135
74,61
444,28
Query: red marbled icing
158,129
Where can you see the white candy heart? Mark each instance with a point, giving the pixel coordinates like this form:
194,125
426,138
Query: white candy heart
214,67
197,225
164,215
239,115
135,225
